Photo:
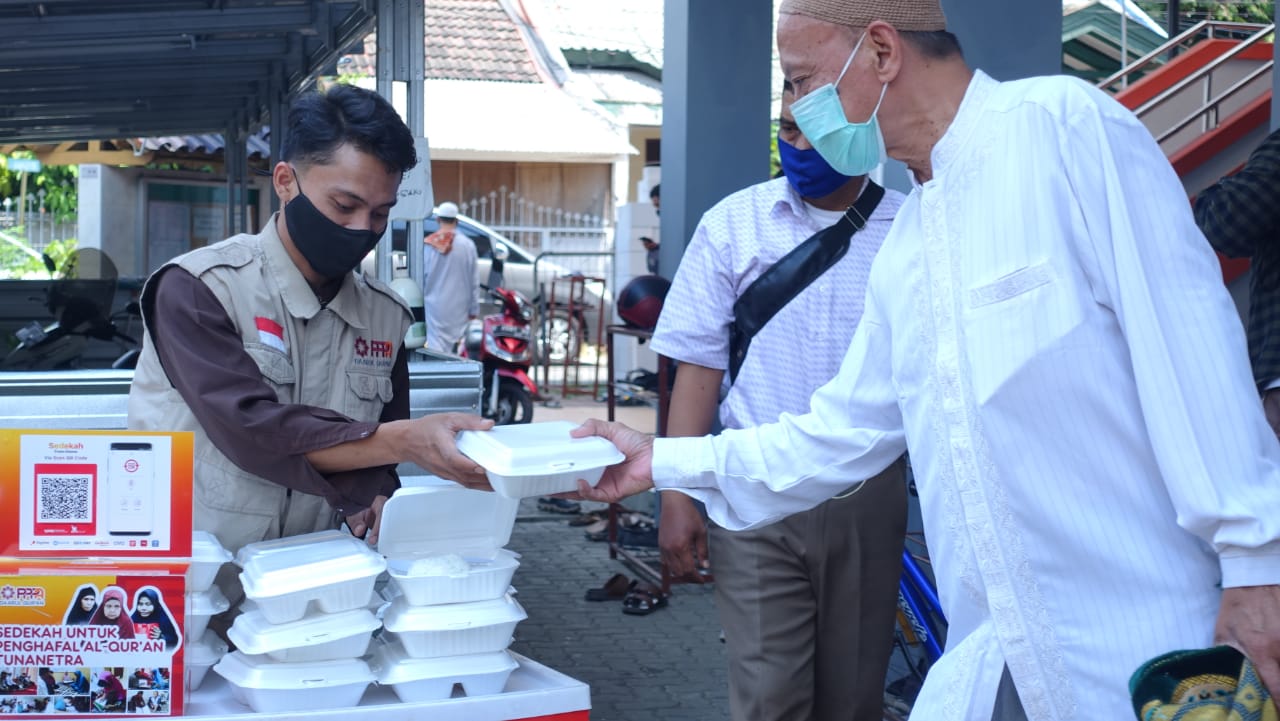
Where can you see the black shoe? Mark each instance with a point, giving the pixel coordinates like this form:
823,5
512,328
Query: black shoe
559,505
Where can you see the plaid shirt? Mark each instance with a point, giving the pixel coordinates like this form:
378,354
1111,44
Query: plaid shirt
1240,215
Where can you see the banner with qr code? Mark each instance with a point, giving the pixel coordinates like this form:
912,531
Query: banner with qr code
96,494
91,640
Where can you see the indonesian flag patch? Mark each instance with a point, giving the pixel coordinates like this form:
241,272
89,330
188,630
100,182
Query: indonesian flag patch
271,333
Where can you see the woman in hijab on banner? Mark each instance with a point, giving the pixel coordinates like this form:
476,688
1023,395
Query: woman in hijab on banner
112,612
151,620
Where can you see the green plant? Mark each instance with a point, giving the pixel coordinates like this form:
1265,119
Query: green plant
1193,11
57,181
17,261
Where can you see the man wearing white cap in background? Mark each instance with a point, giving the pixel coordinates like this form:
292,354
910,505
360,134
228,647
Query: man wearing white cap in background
448,281
1047,332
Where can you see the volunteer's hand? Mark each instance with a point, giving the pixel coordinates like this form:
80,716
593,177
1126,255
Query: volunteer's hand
633,475
682,538
1249,620
370,520
1271,406
435,449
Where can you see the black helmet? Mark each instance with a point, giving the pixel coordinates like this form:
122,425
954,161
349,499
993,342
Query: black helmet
640,301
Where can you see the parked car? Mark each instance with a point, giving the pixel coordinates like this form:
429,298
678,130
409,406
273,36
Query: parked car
560,332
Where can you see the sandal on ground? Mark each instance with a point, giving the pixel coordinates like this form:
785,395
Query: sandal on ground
614,589
559,505
638,536
596,535
586,519
643,600
598,526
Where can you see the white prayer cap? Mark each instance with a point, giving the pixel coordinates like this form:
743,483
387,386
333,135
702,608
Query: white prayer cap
903,15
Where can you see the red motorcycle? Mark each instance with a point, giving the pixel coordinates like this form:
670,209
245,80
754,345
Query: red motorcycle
503,343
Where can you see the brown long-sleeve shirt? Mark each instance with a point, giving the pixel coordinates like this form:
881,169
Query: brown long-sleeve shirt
204,358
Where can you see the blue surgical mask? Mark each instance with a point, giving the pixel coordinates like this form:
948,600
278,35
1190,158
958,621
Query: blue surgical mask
808,172
850,148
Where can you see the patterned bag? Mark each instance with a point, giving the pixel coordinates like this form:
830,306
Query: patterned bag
1214,684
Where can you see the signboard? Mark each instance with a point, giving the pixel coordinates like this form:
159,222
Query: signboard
415,199
98,494
91,639
24,165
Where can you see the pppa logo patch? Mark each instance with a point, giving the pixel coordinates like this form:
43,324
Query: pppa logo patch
373,349
11,595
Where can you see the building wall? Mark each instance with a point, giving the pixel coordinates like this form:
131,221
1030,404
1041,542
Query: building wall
639,137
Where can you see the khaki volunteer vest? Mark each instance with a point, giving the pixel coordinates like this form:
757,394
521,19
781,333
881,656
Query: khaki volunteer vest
338,357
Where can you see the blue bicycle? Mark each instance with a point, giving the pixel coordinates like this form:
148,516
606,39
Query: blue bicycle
920,632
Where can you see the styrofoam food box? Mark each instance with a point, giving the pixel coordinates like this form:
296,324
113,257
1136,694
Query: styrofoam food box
446,518
207,556
486,580
201,655
416,680
286,544
270,687
316,637
538,459
337,573
201,606
454,629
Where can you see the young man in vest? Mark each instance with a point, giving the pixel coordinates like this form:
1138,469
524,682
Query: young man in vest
290,368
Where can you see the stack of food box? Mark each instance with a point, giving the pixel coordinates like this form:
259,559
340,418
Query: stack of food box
309,637
203,647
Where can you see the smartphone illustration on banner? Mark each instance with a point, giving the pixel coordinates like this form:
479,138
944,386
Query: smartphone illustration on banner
130,490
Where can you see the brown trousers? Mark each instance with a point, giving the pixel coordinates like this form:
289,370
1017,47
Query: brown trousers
808,606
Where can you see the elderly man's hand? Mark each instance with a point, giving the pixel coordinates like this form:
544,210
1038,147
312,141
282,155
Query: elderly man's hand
1249,620
633,475
434,448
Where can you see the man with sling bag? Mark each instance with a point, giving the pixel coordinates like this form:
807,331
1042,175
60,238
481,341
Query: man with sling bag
766,299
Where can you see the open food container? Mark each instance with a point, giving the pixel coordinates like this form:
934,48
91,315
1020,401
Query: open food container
446,518
201,655
417,680
462,581
454,629
201,606
538,459
335,572
207,556
269,687
316,637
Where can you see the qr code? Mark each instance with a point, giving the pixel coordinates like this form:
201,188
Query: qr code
63,498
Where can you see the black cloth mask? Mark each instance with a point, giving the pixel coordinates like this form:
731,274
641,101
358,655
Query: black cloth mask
330,249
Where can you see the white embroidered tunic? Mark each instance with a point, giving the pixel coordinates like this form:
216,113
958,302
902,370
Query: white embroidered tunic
1047,331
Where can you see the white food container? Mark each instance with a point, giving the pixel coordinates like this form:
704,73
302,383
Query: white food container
317,637
201,655
201,606
538,459
417,680
286,544
336,572
207,556
269,687
454,629
486,580
446,518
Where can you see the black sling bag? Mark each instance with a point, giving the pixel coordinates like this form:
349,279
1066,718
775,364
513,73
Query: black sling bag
787,278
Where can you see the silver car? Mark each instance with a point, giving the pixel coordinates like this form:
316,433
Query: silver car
562,333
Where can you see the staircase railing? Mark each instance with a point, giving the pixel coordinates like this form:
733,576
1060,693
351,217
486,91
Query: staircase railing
1209,28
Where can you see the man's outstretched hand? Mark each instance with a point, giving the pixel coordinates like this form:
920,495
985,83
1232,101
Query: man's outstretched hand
628,478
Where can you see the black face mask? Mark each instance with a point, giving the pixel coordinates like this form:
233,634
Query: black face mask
330,249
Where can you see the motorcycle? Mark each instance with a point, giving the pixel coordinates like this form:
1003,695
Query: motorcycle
503,343
80,302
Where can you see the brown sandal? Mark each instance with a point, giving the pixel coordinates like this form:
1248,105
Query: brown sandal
612,590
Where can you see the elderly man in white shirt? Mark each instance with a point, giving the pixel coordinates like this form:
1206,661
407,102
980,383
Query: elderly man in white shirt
1047,331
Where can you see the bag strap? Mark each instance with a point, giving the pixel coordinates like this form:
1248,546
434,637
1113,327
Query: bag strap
786,279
